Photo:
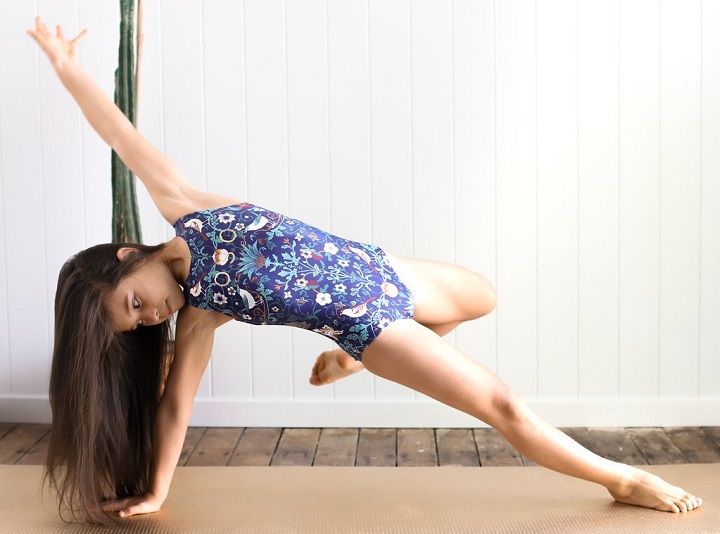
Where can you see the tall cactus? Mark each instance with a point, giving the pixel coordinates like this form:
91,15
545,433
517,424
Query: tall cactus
126,220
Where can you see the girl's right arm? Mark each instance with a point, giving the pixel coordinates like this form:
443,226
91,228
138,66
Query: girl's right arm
193,345
171,191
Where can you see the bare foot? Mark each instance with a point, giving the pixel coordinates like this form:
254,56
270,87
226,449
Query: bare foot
643,489
333,365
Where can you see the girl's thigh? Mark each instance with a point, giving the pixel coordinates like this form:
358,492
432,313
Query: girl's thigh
444,292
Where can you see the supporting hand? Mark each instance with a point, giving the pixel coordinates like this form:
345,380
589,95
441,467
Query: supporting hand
146,503
56,47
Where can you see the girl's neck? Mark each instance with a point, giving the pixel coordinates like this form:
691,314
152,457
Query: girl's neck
177,257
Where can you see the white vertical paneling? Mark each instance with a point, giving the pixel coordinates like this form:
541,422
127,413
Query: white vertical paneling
23,202
150,110
308,157
432,129
182,99
96,155
557,222
597,199
226,165
474,160
566,150
391,134
62,178
265,64
639,71
709,365
680,173
182,67
516,172
349,140
224,98
6,75
5,369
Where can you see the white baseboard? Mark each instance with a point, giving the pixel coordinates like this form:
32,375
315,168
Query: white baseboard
420,414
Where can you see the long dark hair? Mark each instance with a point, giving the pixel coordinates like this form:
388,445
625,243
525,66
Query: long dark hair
104,388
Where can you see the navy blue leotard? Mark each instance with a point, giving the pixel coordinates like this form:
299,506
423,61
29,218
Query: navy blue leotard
264,268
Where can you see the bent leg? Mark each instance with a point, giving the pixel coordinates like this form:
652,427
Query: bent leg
416,357
446,295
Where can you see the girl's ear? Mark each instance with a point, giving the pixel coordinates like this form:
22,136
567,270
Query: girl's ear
125,252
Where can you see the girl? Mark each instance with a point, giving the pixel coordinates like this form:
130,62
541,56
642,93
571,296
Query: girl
120,415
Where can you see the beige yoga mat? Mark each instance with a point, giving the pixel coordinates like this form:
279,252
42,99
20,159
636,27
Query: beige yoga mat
356,500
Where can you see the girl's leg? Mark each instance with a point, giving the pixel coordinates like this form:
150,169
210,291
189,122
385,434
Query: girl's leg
416,357
467,295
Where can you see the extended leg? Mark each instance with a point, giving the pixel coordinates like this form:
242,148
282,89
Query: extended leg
416,357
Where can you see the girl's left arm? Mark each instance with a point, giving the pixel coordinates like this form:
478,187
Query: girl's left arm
173,194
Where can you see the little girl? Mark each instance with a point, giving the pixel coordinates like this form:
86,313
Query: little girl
121,410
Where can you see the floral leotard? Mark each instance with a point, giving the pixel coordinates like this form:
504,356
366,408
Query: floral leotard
264,268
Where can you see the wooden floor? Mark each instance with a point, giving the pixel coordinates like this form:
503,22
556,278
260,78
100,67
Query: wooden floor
27,444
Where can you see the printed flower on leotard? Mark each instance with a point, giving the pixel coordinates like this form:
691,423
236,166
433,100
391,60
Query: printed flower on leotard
220,256
323,299
330,248
389,289
225,218
383,323
219,298
301,282
340,288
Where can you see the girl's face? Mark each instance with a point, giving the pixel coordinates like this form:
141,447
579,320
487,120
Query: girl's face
148,296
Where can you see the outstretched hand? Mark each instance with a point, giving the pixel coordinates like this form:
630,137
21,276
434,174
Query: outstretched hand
146,503
56,47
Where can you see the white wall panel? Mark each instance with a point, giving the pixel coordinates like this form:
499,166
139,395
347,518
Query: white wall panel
564,149
24,202
639,89
516,172
680,174
709,364
432,128
474,161
557,201
598,122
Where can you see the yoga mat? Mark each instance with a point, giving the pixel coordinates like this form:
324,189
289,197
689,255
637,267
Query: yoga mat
356,500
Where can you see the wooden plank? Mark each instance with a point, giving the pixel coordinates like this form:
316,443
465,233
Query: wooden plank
37,454
297,447
614,444
416,447
19,441
494,450
456,447
256,446
582,436
215,447
337,446
377,447
698,447
713,432
656,446
5,428
192,438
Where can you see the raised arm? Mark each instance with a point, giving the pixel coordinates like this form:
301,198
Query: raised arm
171,191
